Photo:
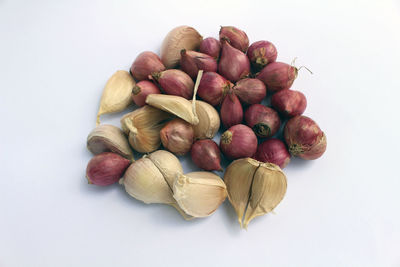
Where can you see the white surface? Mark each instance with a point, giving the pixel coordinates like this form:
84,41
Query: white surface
341,210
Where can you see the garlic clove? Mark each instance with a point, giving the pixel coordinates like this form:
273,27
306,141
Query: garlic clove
176,105
238,179
182,37
199,194
143,127
209,121
167,163
116,94
144,181
106,138
267,191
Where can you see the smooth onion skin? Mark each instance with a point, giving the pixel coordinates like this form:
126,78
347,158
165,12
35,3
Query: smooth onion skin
231,112
141,90
106,168
213,88
211,47
145,64
206,155
233,64
239,141
262,53
177,136
236,37
289,103
274,151
278,76
191,62
264,121
250,91
304,138
175,82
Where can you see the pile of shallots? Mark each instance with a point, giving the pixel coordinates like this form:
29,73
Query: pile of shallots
207,81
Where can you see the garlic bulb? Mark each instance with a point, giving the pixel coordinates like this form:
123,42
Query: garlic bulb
254,188
109,138
143,128
199,194
182,37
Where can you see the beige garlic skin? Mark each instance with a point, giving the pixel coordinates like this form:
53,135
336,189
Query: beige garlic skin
150,179
143,128
182,37
109,138
144,181
117,93
176,105
209,121
199,194
254,188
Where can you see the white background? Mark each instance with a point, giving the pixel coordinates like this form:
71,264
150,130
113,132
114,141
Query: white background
340,210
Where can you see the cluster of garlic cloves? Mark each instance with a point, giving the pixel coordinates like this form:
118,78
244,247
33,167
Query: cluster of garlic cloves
254,188
158,178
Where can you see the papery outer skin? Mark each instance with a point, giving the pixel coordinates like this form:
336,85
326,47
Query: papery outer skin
177,136
263,120
199,194
261,53
304,138
175,82
176,105
167,163
191,62
143,127
233,64
236,37
273,151
116,94
206,155
209,121
289,103
213,87
145,64
211,47
278,76
238,178
142,90
267,191
144,181
106,168
239,141
231,111
181,37
109,138
250,91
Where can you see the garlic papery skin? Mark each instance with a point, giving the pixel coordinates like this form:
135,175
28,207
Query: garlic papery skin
238,179
209,121
254,188
116,94
176,105
109,138
143,127
199,194
144,181
167,163
182,37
